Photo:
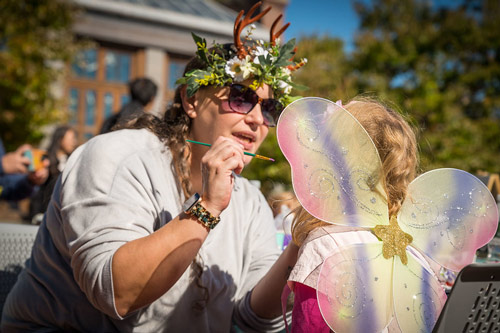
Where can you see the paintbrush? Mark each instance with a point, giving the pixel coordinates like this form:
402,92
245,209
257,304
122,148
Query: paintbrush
246,153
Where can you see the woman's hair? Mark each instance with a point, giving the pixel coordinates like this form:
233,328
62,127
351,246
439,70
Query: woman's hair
173,131
55,146
397,147
174,128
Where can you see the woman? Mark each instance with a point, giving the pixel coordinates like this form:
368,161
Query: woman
118,250
62,144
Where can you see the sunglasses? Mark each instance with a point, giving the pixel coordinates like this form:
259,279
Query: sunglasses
243,99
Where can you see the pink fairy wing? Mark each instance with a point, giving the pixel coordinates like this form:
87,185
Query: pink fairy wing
335,165
450,213
418,296
354,289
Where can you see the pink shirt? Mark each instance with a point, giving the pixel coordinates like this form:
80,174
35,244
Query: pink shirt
306,316
318,246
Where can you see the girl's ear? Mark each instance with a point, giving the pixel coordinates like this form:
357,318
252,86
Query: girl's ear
188,103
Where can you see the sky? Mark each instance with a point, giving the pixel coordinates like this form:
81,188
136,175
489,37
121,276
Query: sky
321,17
335,18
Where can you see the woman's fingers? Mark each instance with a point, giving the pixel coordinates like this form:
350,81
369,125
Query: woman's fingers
218,164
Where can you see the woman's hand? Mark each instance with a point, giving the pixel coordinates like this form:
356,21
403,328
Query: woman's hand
217,166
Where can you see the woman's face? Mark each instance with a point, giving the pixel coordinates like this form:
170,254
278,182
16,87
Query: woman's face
213,118
68,142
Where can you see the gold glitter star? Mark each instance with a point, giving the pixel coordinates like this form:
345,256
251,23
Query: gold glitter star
395,240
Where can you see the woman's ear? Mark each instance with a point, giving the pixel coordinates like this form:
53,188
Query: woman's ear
188,103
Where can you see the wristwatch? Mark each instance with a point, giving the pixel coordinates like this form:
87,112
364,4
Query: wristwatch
193,207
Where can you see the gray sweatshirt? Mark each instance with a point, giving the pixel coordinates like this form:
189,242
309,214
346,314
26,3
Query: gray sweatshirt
116,188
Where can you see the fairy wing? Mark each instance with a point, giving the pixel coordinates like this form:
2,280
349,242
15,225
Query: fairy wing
450,213
354,289
335,166
418,296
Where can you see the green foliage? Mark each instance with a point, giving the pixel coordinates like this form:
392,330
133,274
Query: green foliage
443,67
440,65
326,73
35,43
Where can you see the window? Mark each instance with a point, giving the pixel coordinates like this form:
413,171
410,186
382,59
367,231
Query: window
125,99
176,69
98,86
73,106
117,66
90,100
85,64
108,105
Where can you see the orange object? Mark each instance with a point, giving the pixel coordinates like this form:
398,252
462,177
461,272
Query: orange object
36,157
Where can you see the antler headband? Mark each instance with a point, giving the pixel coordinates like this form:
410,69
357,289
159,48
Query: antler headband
240,23
261,62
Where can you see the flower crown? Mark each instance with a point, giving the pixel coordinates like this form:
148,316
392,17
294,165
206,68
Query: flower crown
264,62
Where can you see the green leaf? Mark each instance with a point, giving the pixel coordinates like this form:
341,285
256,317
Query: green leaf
182,80
298,86
201,51
198,40
264,61
286,53
192,86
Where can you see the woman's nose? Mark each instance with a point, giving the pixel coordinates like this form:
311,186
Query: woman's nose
255,116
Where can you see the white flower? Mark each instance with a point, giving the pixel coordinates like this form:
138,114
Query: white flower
285,71
238,69
259,51
246,68
284,86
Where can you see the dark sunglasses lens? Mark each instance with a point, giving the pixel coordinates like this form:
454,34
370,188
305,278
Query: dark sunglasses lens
271,110
242,99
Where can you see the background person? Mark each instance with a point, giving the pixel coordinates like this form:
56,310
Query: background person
142,92
16,182
62,144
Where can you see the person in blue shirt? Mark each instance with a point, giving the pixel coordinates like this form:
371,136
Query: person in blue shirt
16,181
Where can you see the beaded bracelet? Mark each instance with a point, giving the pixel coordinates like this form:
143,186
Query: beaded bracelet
204,216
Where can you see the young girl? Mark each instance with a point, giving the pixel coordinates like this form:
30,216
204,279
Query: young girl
361,161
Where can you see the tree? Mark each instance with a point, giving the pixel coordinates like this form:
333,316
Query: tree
443,66
327,72
36,41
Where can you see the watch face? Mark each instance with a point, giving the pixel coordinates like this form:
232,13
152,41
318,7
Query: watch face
190,202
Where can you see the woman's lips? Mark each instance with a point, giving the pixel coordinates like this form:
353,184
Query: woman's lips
246,140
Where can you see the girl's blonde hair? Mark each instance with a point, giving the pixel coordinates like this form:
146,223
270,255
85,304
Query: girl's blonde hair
397,146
